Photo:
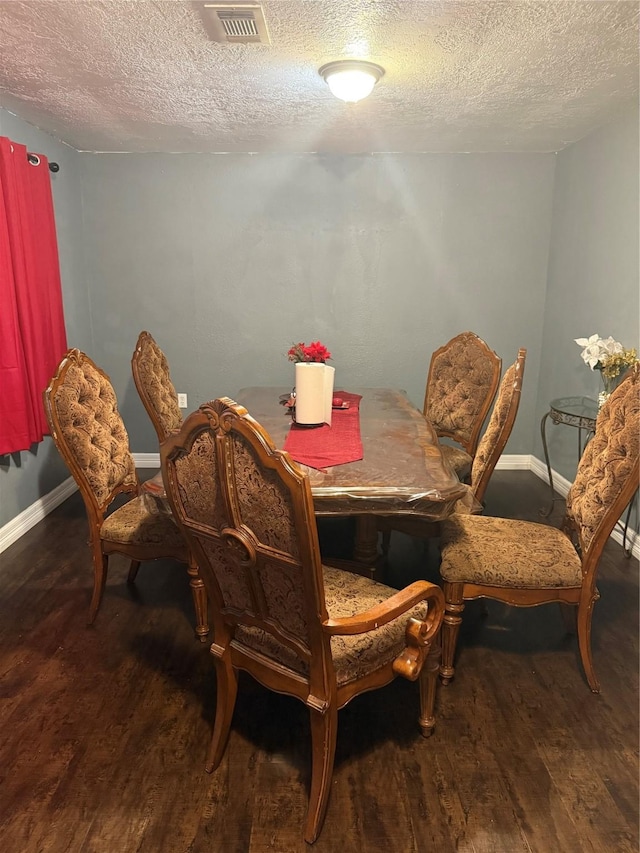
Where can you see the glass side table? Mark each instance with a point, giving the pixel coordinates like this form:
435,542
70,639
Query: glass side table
581,413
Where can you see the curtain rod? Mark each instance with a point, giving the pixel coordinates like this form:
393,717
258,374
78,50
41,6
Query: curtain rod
33,158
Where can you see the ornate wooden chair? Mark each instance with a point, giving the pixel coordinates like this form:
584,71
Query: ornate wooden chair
524,563
498,430
489,450
316,633
153,381
461,385
90,435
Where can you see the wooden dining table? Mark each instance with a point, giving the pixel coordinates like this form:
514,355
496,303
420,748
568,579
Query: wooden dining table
402,470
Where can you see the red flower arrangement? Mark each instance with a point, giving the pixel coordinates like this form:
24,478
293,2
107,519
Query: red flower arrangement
314,352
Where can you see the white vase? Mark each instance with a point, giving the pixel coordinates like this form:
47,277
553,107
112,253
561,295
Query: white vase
314,393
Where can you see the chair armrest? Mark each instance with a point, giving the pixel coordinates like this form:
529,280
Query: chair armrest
393,607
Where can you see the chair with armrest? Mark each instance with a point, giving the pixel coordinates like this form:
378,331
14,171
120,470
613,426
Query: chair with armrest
155,388
489,450
316,633
90,435
525,563
462,382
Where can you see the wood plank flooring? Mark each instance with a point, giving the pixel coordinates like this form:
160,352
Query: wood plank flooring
104,730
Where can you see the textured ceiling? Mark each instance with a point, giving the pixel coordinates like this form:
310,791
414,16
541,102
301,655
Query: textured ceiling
136,75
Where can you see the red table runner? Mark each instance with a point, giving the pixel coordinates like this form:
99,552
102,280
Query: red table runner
324,446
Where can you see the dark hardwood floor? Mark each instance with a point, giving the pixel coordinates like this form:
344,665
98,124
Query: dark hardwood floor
104,730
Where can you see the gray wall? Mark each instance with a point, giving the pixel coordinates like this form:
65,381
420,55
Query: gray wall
593,269
227,260
27,476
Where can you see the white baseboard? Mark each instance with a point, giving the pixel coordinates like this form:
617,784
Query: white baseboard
514,462
560,483
23,522
29,517
146,460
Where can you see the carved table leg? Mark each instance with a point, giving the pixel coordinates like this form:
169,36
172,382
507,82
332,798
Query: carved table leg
365,550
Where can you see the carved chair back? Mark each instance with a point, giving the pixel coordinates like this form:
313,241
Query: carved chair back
461,385
153,381
608,473
499,427
89,432
259,559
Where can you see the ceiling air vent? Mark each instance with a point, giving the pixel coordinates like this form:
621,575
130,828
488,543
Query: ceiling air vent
236,23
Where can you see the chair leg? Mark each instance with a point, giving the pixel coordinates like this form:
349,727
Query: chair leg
100,568
200,602
324,730
585,612
428,681
226,692
133,571
453,607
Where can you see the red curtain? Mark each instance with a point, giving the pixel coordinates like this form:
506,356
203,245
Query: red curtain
32,333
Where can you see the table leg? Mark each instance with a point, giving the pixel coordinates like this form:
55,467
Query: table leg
543,433
365,549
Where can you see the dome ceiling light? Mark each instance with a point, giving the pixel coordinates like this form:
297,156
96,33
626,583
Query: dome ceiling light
351,80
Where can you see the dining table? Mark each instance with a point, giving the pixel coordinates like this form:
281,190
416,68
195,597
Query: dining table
402,469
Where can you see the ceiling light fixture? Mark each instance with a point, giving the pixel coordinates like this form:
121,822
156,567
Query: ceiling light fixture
351,80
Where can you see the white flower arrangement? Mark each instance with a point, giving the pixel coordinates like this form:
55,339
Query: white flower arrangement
610,358
597,349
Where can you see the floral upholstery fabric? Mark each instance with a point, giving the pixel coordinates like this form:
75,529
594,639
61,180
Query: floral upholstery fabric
508,553
153,373
458,459
263,516
271,518
608,460
225,573
142,522
93,431
198,486
346,594
460,378
494,428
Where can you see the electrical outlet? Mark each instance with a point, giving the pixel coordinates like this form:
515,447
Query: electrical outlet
182,401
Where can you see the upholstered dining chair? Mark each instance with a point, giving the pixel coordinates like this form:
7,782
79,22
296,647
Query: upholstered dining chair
461,385
90,435
316,633
153,381
489,450
525,563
